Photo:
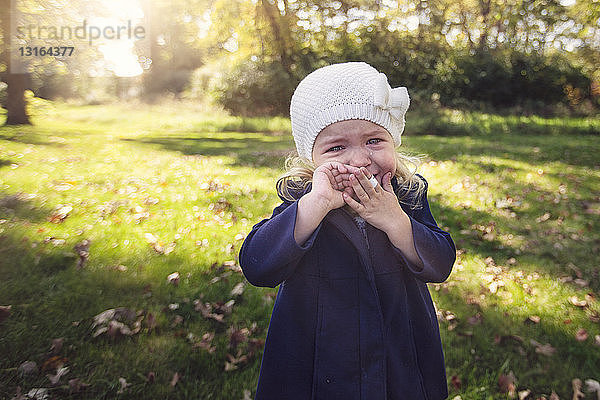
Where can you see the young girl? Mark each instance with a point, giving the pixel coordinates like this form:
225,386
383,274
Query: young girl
352,247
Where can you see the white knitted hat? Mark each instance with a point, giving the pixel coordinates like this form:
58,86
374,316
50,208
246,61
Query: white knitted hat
340,92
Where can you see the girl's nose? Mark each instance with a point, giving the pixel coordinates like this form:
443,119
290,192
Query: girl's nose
359,157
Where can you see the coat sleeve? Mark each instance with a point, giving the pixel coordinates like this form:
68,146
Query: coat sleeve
433,245
270,254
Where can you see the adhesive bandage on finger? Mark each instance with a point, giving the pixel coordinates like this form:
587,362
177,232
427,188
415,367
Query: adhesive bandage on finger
373,181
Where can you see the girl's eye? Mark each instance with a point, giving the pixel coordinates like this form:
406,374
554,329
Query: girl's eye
334,148
374,141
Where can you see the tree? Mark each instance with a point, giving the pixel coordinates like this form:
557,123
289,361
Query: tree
16,111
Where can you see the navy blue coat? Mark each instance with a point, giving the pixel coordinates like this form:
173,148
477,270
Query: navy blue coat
352,320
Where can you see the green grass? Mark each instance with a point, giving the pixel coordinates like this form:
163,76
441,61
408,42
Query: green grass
525,195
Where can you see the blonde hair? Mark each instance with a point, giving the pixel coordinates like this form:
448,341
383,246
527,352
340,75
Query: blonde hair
299,172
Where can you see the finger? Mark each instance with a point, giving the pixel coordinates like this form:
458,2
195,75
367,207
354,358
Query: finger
342,168
337,179
338,166
355,205
331,178
342,178
358,188
387,182
351,169
363,178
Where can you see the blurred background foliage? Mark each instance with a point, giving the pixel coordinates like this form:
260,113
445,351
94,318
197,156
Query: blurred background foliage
515,56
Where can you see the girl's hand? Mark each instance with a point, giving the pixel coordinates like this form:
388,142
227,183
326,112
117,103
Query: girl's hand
330,180
377,205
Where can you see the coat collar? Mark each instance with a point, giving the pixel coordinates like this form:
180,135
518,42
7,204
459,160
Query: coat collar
343,221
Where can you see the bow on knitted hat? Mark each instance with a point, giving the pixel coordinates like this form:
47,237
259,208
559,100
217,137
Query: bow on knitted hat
395,101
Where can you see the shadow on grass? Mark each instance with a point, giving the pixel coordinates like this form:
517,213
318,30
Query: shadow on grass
20,206
256,151
575,150
26,135
552,249
61,301
493,339
447,122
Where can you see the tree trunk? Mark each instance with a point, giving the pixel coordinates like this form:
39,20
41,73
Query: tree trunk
273,18
16,111
484,8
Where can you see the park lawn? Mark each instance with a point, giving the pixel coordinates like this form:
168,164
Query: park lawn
169,189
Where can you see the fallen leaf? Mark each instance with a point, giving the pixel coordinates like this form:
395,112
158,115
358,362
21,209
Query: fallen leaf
175,379
124,385
150,238
545,349
75,385
151,377
523,394
237,336
150,322
543,218
255,345
475,319
576,302
593,386
177,321
219,308
114,322
238,289
456,382
499,339
577,394
173,278
581,335
168,248
589,297
38,394
554,396
53,363
581,282
83,251
60,214
57,345
233,361
19,395
137,325
594,316
27,368
506,384
206,341
247,395
4,312
119,313
224,308
116,329
533,319
54,379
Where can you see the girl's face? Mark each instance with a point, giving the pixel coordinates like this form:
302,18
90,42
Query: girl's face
358,143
